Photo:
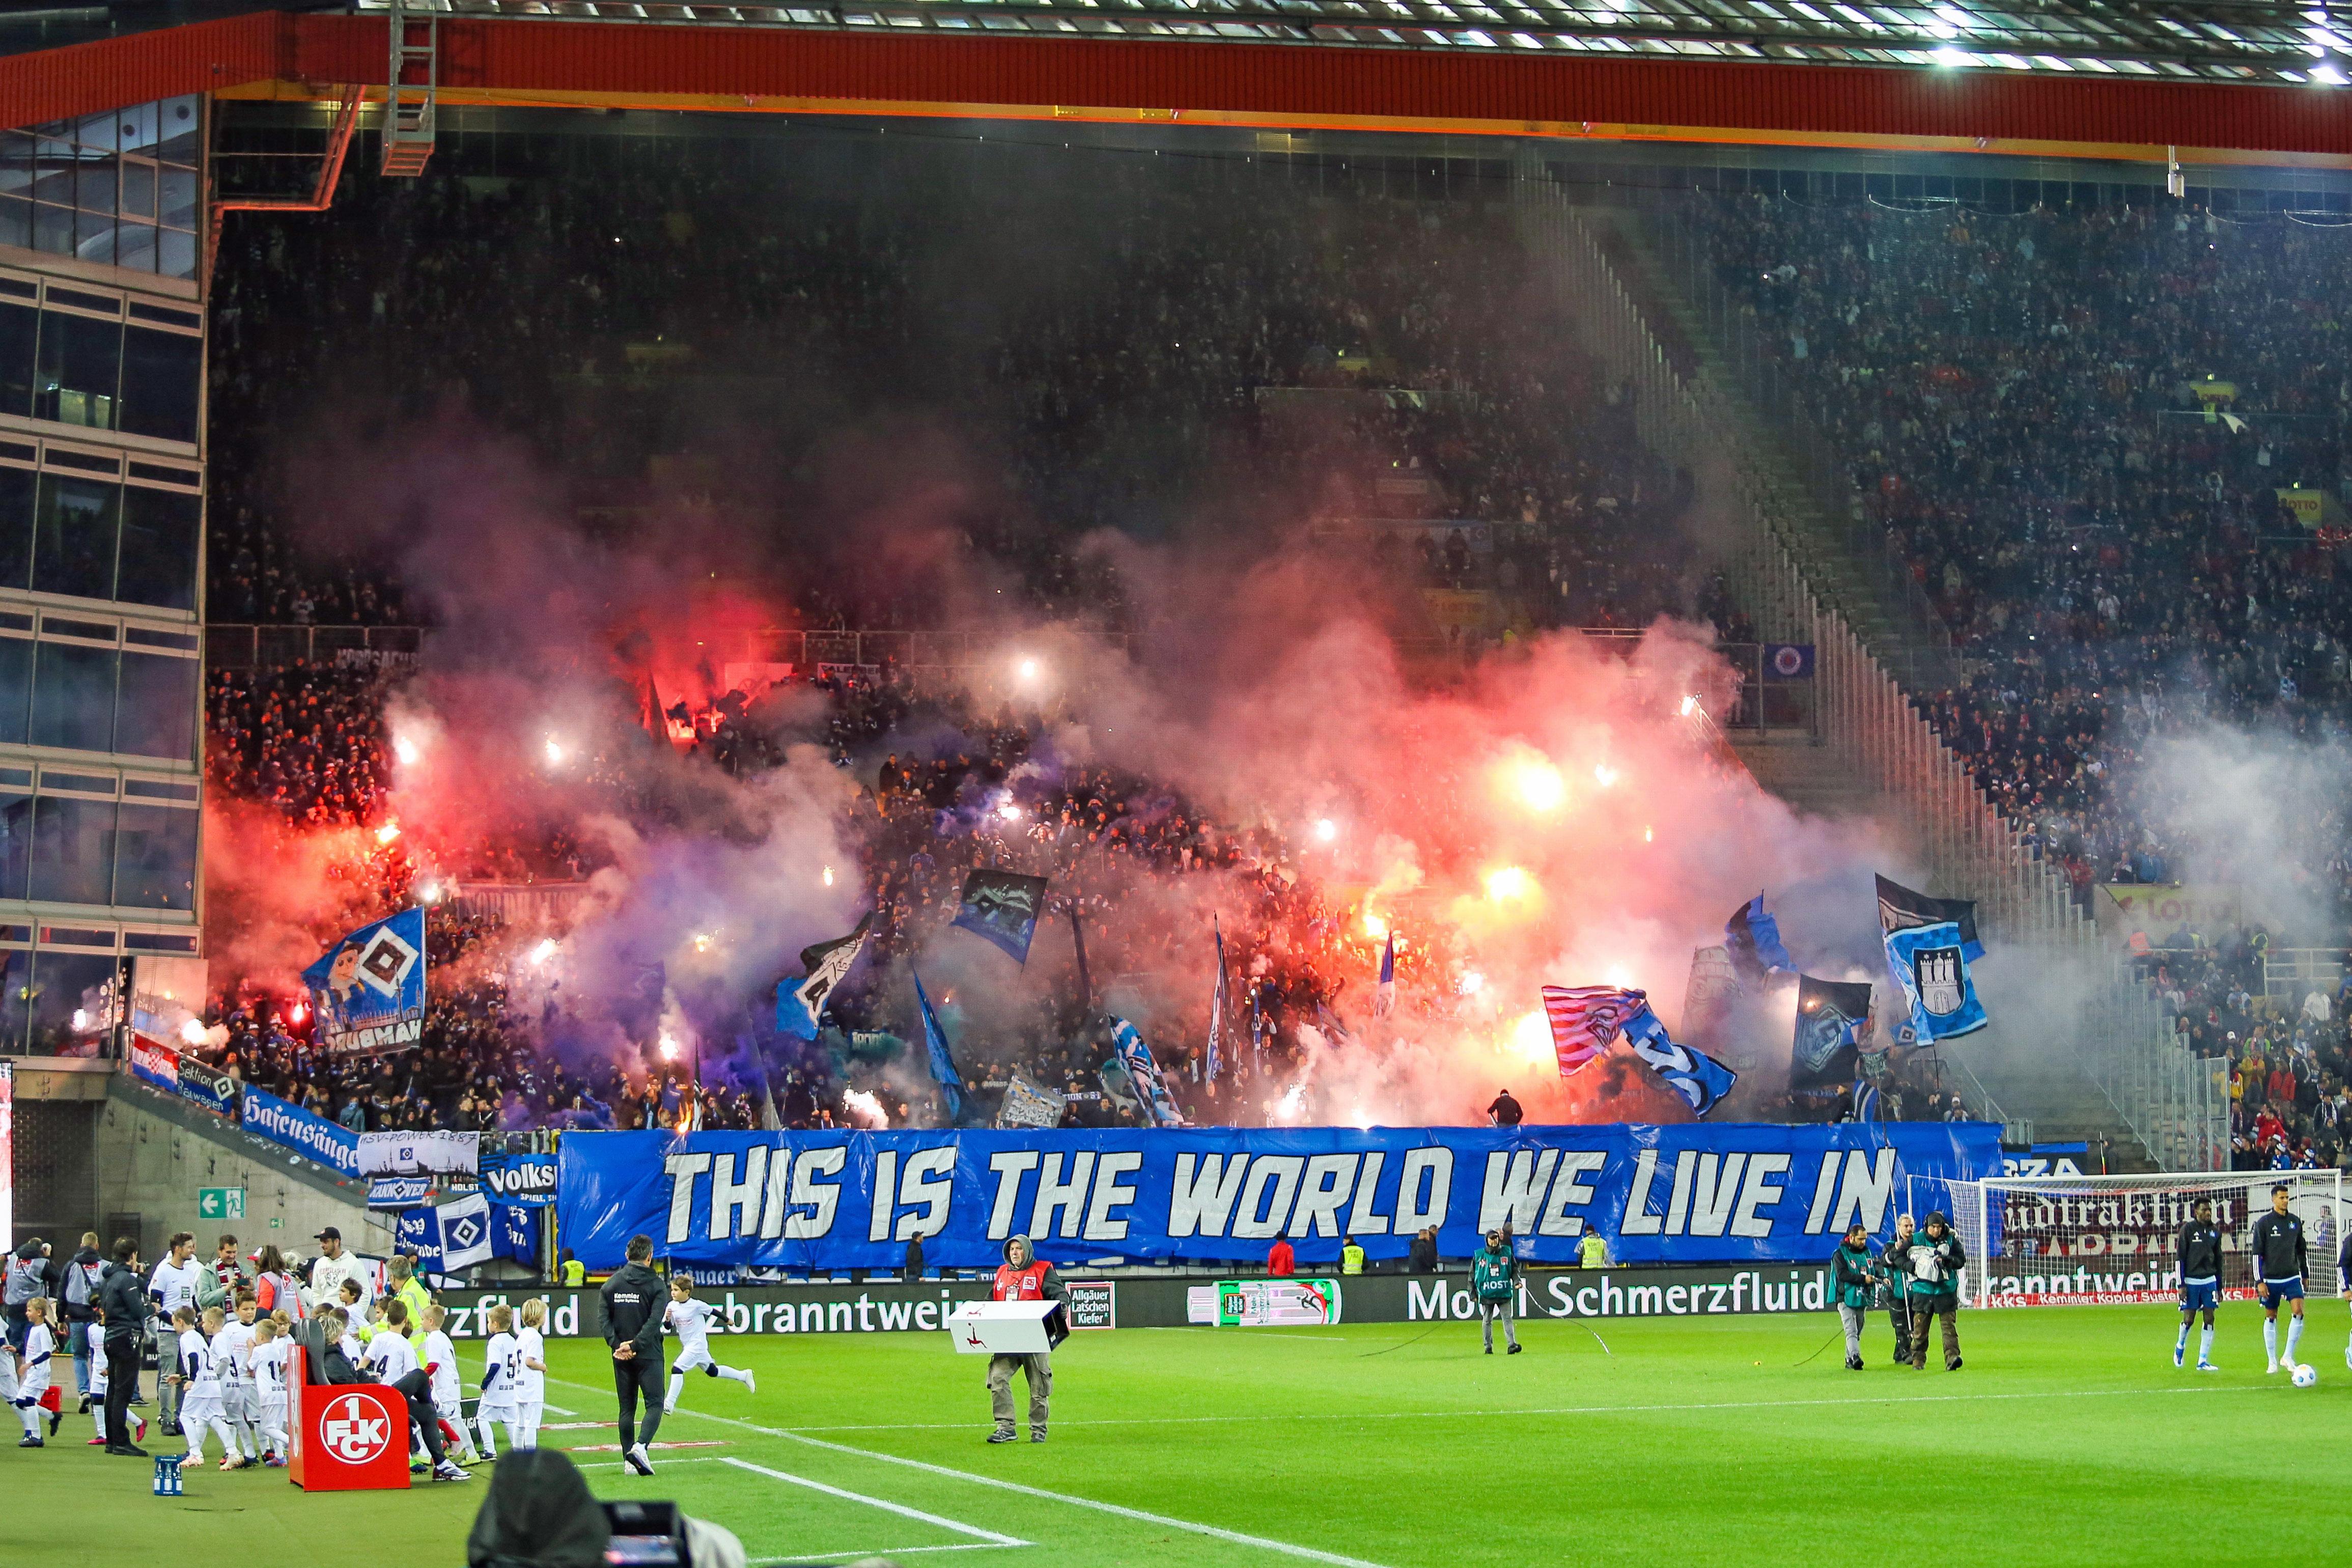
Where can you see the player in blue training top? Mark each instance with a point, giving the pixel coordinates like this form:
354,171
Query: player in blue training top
2201,1282
2278,1248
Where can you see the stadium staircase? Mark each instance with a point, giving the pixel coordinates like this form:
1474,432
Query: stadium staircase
2079,1051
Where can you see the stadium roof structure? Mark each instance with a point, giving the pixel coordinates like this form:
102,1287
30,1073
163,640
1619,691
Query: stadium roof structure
2239,41
2216,80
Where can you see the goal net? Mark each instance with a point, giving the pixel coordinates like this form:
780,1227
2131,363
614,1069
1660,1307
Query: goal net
2037,1241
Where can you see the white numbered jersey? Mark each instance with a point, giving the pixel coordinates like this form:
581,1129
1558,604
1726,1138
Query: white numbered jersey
690,1320
503,1371
441,1357
530,1383
196,1365
268,1363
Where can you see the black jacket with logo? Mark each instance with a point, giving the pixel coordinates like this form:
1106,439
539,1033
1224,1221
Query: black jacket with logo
2199,1250
2277,1245
634,1299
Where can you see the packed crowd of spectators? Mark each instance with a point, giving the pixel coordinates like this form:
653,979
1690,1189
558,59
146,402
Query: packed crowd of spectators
2076,427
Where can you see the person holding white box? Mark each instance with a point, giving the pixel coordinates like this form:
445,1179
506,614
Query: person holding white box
1026,1276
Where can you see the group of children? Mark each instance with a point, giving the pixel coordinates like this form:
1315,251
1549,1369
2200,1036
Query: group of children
230,1371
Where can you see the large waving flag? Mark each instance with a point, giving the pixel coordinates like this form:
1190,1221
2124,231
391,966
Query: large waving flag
1144,1073
1930,962
943,1068
1217,1011
1696,1075
1751,938
1585,1018
1384,999
1830,1015
1900,908
800,1007
1003,907
369,988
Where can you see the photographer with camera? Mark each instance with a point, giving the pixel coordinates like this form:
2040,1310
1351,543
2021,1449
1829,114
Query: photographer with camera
1927,1264
1853,1280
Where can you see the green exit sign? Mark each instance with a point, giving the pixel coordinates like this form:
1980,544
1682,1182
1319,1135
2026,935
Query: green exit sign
220,1202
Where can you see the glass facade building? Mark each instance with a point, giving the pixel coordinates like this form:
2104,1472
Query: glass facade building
102,561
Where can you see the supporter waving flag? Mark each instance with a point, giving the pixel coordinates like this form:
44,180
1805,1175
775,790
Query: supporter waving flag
1585,1018
1384,999
826,964
1752,939
1696,1075
1144,1073
943,1065
1217,1010
1003,907
1930,962
1900,908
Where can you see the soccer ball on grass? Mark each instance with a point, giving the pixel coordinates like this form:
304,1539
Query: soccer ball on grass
2306,1375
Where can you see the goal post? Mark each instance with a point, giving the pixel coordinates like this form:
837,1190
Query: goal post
2036,1241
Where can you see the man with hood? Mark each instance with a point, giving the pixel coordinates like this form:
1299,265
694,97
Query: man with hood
1026,1276
1930,1263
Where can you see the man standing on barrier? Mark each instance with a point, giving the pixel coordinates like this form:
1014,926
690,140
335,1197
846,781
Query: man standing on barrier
633,1300
1026,1276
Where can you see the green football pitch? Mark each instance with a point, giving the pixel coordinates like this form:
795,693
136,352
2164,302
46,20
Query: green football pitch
2067,1439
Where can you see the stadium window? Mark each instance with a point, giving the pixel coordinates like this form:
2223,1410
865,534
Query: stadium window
156,713
73,850
15,689
67,984
17,491
162,375
73,695
160,533
19,330
16,841
155,857
75,524
78,370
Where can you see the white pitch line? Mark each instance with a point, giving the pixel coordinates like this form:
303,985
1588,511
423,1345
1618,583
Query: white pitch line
975,1532
1326,1417
862,1552
1166,1522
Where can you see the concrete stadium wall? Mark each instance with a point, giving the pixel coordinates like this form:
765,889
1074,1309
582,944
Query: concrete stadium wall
154,1152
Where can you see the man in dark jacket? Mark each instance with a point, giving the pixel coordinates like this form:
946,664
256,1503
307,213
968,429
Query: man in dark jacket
123,1305
634,1299
1423,1260
78,1298
1930,1263
1504,1112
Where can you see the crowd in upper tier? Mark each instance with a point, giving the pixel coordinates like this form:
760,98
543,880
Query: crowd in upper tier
2109,443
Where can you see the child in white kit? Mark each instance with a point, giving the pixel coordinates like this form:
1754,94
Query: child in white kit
502,1383
689,1319
229,1348
530,1378
267,1361
33,1371
200,1389
98,1387
440,1359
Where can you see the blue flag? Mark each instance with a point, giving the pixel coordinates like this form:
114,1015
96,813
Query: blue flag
1696,1075
1751,940
943,1065
1217,1011
1930,962
1003,907
369,988
1144,1073
1384,999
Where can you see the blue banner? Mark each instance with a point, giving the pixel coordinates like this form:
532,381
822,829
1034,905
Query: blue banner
398,1192
201,1085
1738,1192
369,988
514,1233
1930,962
328,1143
417,1232
519,1178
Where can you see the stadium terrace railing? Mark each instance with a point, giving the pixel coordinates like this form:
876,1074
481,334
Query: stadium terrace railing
2163,1095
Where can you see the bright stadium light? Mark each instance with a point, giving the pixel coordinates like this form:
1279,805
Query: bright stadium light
1952,59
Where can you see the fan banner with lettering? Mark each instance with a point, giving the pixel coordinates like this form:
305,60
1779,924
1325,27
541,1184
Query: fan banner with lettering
369,988
1742,1192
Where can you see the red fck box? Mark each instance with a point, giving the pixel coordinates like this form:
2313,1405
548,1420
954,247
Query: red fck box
352,1438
